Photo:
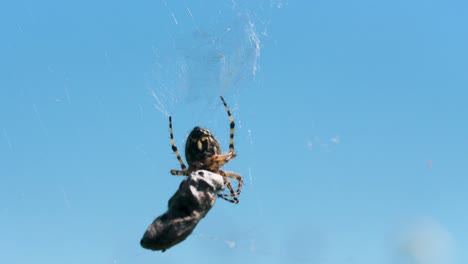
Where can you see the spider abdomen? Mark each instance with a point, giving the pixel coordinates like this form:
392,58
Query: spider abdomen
200,146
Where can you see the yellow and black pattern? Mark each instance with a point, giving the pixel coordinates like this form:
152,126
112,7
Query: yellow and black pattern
232,125
202,152
176,152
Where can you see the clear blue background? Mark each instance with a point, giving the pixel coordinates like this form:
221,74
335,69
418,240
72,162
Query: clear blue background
351,128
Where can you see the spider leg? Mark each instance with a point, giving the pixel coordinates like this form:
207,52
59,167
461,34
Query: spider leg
232,194
174,149
232,125
179,172
235,176
217,161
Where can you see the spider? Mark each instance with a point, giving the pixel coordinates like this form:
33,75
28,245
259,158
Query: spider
202,152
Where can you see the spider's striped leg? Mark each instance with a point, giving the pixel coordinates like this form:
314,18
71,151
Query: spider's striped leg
217,161
176,152
234,200
179,172
232,194
234,176
232,125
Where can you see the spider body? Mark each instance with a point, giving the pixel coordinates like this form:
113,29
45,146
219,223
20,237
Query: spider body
200,146
202,152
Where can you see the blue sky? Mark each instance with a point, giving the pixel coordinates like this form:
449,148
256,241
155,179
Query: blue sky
351,131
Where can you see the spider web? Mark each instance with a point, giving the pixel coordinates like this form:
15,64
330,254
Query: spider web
207,57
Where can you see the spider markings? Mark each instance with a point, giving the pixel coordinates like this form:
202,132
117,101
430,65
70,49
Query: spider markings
202,152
